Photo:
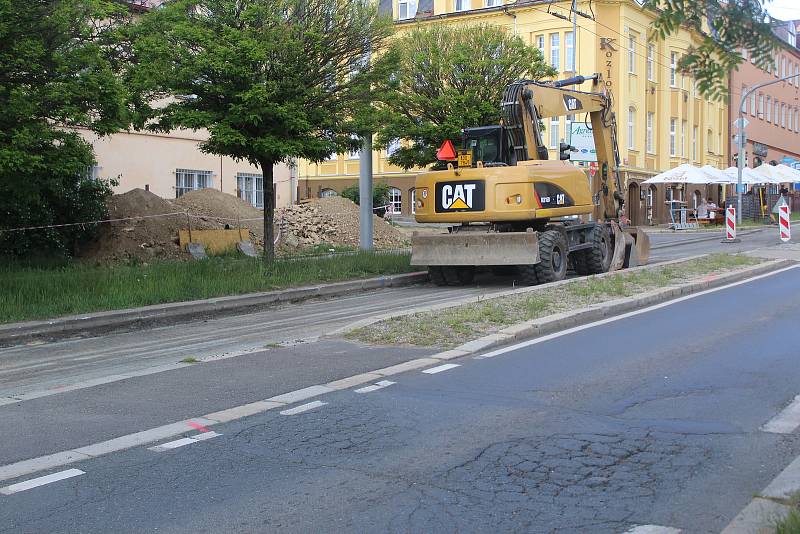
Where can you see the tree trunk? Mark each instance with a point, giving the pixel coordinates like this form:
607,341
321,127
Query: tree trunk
267,171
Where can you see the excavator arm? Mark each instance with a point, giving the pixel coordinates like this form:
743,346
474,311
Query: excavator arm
527,103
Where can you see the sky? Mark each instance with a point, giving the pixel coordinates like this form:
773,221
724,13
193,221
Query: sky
784,9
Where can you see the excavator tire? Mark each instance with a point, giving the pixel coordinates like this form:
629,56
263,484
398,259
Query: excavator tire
552,264
597,259
436,275
458,276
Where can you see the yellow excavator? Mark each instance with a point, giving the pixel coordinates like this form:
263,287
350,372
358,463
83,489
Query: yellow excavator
511,207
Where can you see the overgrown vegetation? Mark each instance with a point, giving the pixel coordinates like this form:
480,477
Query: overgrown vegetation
453,326
68,288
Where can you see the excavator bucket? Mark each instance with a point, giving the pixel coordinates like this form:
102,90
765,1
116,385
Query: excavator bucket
637,251
618,256
475,248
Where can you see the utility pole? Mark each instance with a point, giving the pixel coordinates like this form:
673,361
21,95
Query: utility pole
741,139
365,194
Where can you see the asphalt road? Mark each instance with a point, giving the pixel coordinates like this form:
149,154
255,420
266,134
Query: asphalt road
34,368
653,419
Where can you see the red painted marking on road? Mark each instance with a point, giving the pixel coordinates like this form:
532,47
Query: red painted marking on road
197,426
710,277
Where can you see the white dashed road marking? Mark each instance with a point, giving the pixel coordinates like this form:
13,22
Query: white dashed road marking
439,369
184,441
375,387
41,481
787,421
303,408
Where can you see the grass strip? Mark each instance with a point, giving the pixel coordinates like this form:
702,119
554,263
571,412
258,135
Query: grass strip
44,292
451,327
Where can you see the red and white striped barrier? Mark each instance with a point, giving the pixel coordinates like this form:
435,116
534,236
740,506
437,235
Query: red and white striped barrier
784,223
730,223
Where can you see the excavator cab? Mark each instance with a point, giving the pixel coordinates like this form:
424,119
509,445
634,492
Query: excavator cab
488,144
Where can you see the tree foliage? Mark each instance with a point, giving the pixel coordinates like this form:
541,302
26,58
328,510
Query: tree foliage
726,27
271,80
447,78
58,70
380,194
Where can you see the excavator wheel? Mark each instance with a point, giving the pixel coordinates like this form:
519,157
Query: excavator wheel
597,259
552,264
459,276
436,275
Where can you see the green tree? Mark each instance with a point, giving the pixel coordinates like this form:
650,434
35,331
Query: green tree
58,72
380,194
726,27
271,80
448,78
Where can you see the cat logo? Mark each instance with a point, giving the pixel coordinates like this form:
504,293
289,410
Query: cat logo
572,103
459,196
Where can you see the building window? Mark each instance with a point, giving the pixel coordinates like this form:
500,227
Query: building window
761,107
694,143
769,109
672,127
327,193
753,103
188,180
683,139
540,43
392,147
407,9
796,120
632,53
710,142
797,74
777,68
673,69
744,54
462,5
789,73
651,197
554,133
555,51
494,3
783,67
93,172
649,137
631,128
569,43
413,195
777,113
250,188
783,115
395,200
651,71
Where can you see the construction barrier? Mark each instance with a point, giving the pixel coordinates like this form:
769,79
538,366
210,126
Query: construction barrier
784,223
730,223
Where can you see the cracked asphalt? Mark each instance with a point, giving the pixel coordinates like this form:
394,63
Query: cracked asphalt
652,419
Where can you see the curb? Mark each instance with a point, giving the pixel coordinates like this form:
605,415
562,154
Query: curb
97,322
699,239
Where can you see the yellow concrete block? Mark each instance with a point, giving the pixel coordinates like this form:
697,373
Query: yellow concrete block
215,241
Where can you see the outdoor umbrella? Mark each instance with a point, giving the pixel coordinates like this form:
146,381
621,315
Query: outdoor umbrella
748,177
778,174
682,174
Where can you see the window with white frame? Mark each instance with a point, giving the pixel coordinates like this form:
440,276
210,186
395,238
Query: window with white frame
569,44
673,69
783,115
744,54
555,51
632,37
777,68
651,69
649,136
683,138
328,193
395,200
494,3
783,67
769,109
554,138
540,43
709,141
796,120
744,103
93,172
413,195
789,71
632,128
250,188
463,5
753,108
797,74
672,127
694,143
777,112
188,180
407,9
761,106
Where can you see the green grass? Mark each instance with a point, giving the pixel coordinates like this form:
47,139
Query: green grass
31,292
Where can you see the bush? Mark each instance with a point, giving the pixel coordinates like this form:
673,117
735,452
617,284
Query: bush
380,194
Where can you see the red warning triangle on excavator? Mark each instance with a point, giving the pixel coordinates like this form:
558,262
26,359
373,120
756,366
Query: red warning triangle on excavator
446,152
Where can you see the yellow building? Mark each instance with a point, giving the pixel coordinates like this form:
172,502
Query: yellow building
662,120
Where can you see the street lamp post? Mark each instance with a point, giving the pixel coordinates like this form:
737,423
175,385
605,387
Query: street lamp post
740,140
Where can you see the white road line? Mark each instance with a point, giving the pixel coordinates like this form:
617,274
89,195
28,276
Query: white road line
440,368
303,408
634,313
653,529
184,441
786,421
375,387
41,481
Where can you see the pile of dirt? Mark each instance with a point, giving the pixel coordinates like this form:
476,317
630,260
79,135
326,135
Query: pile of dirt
331,221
